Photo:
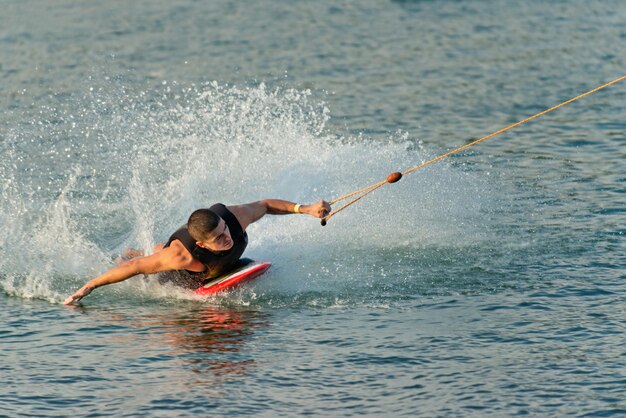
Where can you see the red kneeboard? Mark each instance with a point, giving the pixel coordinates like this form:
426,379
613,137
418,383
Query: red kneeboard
246,271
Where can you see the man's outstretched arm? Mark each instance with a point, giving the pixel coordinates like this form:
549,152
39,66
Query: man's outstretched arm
252,212
170,258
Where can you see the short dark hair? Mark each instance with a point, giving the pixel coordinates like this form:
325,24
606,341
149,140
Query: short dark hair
201,223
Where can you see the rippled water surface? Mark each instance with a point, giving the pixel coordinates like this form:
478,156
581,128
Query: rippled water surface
491,283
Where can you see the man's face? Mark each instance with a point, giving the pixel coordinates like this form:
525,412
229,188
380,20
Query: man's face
219,239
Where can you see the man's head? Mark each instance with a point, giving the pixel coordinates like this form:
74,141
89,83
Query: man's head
209,230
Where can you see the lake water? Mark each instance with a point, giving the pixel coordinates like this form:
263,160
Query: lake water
489,284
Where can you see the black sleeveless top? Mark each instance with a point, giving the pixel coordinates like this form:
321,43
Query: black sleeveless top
216,263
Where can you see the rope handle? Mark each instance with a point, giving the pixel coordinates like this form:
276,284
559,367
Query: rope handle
391,178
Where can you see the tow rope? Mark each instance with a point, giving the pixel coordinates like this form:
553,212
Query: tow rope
395,176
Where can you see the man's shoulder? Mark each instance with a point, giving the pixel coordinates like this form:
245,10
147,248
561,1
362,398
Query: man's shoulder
176,250
241,214
175,247
179,256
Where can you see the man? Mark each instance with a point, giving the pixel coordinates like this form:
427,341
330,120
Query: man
209,244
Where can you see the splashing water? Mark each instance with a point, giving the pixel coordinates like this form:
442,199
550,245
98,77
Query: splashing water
113,168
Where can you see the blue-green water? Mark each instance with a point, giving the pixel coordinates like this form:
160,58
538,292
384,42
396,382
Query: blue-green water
489,284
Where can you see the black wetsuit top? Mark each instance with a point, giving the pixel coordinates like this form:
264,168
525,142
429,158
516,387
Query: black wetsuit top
216,263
